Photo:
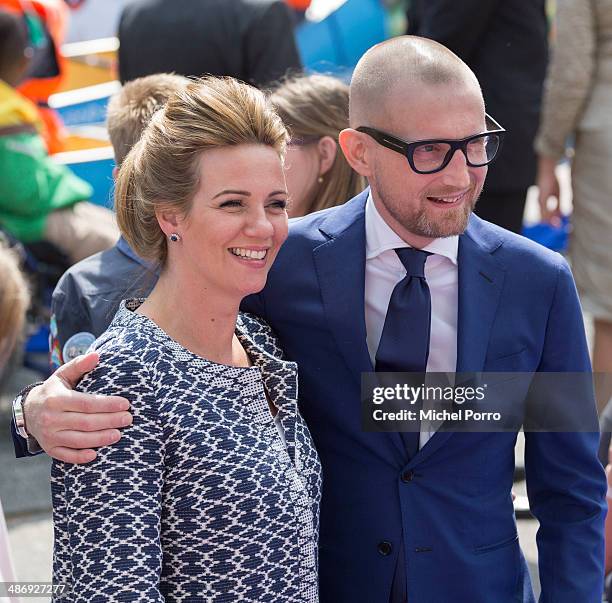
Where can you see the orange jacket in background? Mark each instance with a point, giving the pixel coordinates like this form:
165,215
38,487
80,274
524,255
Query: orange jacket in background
299,4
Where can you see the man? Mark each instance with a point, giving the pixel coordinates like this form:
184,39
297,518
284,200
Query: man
251,40
505,44
429,521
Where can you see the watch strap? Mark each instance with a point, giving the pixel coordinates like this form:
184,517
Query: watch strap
18,414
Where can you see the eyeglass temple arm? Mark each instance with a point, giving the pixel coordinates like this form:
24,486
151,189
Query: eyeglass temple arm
495,124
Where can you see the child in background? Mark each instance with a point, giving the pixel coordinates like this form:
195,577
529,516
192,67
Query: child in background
39,199
88,295
46,23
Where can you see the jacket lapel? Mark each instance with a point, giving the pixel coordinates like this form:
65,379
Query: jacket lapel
340,266
481,279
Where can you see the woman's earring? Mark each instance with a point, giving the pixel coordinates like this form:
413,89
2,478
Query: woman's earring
320,179
174,237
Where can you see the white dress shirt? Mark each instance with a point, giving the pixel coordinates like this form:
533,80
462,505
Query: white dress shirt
384,270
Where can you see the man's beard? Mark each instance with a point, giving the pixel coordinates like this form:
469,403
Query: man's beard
423,222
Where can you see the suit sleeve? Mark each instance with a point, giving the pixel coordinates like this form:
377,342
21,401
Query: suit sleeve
565,480
270,48
459,26
20,445
107,513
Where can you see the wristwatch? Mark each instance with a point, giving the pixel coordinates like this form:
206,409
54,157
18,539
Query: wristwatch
19,416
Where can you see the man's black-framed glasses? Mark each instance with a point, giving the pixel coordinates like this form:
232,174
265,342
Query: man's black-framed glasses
429,156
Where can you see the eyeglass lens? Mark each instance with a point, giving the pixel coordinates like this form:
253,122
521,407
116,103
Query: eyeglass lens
480,151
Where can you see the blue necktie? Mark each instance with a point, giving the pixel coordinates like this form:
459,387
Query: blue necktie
404,347
404,343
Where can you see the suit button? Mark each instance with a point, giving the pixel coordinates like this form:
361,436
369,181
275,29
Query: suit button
407,476
384,548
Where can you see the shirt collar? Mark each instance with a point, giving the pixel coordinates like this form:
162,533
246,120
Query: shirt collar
381,237
124,247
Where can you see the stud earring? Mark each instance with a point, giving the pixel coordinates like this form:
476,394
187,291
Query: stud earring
174,237
320,179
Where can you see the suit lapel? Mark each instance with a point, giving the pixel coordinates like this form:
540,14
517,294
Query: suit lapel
481,279
340,266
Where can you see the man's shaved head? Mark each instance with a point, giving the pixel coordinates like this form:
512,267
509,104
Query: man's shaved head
414,89
394,67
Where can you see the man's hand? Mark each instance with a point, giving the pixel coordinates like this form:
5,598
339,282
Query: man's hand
549,191
69,424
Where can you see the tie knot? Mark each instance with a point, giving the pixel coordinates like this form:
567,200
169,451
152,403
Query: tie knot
413,260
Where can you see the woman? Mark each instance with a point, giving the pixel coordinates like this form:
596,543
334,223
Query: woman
212,494
315,110
578,103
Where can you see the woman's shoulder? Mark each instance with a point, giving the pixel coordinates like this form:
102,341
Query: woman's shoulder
128,344
124,369
261,333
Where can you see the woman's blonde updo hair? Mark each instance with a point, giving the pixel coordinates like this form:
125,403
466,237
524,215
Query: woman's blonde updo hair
311,107
161,170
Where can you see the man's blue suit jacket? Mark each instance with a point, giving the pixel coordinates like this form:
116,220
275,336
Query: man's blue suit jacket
518,311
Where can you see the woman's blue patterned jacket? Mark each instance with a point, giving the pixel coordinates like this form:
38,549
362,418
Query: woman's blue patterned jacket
200,500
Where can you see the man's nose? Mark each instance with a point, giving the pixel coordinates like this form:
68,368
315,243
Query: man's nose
457,172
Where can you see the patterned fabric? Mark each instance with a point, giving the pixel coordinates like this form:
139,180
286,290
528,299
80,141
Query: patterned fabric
199,500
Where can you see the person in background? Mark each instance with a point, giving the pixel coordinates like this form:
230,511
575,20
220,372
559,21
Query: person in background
39,199
251,40
14,301
505,44
88,294
46,22
578,103
213,492
315,110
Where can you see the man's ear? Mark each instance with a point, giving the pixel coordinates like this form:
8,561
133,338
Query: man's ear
356,150
327,148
